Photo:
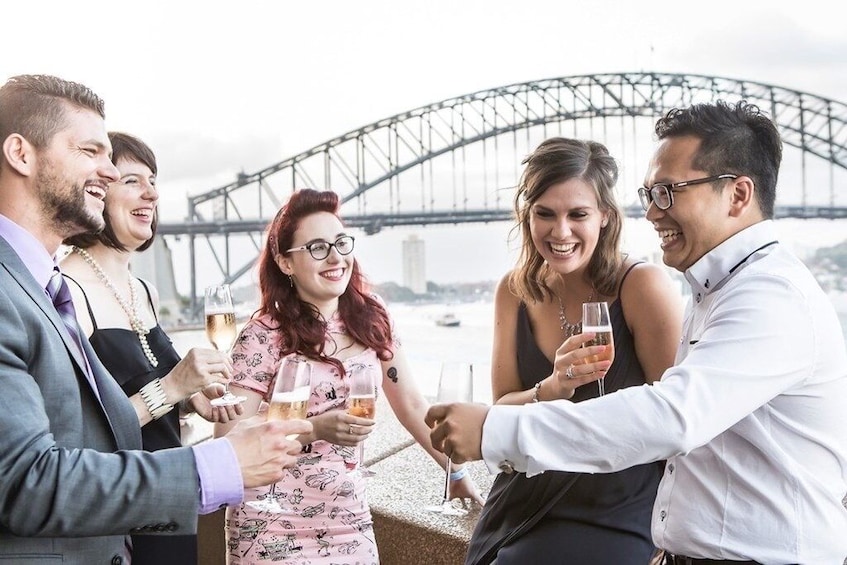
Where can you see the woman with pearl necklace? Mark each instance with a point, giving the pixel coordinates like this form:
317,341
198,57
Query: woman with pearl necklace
119,313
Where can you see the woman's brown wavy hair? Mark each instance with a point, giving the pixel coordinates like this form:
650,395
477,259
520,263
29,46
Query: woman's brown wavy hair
301,325
556,160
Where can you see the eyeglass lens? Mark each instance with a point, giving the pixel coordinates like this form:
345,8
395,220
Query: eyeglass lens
320,250
660,194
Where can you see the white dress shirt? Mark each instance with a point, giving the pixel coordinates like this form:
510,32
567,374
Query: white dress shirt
752,418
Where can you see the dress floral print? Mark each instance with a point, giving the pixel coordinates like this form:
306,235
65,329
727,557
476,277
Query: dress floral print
326,518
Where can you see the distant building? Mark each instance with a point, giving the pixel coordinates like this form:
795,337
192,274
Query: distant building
414,264
155,265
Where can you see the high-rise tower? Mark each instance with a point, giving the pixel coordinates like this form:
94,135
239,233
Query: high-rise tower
414,264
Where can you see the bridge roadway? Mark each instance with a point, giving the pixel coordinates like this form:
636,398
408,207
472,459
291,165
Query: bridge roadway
373,223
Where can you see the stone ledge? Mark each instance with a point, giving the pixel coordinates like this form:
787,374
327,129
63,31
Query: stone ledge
406,533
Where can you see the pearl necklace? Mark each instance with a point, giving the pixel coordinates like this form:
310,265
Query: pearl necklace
569,328
130,308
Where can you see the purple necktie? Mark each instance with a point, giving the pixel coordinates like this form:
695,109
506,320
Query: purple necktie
59,292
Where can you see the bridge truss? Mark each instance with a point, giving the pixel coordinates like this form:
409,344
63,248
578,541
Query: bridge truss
458,160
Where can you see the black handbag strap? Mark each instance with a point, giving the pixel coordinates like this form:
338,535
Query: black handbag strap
485,546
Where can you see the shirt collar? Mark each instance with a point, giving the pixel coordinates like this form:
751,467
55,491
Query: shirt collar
712,270
31,251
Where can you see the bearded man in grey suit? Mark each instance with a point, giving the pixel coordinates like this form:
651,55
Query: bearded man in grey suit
74,481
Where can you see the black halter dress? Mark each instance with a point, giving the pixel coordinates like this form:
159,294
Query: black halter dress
576,518
121,353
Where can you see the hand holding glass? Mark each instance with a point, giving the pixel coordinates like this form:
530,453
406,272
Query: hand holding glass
454,385
595,319
289,401
221,331
362,403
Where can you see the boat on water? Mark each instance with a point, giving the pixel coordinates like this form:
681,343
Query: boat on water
447,320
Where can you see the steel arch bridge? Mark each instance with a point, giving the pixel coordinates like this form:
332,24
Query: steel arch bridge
456,160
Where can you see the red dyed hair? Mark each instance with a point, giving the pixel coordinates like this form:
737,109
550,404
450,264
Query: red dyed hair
302,327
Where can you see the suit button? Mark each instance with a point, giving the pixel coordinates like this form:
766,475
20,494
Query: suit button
117,560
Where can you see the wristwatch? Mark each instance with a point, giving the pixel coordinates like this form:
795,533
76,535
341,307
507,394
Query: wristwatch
155,399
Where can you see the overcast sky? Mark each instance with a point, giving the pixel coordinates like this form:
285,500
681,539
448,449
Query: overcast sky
219,87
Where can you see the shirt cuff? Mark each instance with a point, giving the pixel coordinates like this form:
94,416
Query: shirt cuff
500,449
220,475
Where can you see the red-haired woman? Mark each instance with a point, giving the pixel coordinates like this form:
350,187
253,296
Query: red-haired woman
315,305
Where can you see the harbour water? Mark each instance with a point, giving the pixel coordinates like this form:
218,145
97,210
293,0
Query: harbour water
425,344
428,345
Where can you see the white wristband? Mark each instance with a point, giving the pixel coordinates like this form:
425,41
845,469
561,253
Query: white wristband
459,475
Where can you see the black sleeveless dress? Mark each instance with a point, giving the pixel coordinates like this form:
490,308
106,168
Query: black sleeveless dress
121,353
573,518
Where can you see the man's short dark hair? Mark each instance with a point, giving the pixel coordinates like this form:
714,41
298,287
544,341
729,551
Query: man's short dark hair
738,139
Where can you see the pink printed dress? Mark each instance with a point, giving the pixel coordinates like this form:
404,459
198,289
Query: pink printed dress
327,519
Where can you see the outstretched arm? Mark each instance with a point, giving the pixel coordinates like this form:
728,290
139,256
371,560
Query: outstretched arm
411,407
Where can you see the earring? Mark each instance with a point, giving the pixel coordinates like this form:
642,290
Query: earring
604,223
291,281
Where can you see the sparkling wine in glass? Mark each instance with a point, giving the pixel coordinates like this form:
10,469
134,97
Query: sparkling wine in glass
362,403
221,330
292,388
595,319
454,385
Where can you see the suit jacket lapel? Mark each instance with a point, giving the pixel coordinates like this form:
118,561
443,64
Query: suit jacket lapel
116,407
119,411
39,296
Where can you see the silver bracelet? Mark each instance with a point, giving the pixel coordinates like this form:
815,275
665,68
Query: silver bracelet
535,391
155,399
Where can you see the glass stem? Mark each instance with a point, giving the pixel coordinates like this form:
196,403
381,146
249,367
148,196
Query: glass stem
447,471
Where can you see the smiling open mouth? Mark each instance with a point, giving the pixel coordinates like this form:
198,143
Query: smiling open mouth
563,248
668,236
96,191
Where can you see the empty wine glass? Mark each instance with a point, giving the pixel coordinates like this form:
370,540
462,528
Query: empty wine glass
362,403
595,319
455,384
221,331
292,388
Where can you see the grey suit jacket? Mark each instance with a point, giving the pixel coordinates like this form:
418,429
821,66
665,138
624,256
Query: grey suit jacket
73,483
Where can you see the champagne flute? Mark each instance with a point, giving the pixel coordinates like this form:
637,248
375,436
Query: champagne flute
595,319
362,403
221,331
292,388
454,385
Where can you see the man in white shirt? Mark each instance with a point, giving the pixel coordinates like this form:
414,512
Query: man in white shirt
751,417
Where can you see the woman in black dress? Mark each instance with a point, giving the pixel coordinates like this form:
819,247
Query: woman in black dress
570,226
119,314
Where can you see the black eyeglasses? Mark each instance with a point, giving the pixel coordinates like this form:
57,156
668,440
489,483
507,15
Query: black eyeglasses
319,250
662,194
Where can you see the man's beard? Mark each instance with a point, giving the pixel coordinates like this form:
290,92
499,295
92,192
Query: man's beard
64,202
